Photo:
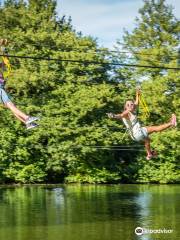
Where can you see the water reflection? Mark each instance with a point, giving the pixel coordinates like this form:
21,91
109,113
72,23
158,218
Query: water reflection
93,211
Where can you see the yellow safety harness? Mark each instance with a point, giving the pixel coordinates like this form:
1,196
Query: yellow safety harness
8,68
6,72
145,113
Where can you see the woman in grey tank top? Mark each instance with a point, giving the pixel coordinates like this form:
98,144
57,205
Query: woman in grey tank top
136,131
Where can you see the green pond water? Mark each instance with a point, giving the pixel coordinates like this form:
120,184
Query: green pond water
89,212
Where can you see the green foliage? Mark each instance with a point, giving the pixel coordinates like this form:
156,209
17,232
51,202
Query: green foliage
166,168
72,99
154,42
24,174
93,175
159,173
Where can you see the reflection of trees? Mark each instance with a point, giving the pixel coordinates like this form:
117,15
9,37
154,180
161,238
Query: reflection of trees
105,210
160,208
23,211
92,211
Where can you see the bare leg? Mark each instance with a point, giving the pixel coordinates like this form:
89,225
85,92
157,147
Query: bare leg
159,128
147,146
162,127
18,117
19,114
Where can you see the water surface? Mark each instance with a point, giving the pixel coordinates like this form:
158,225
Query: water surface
89,212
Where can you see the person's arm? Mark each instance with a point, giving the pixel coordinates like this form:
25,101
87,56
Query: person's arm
138,93
119,115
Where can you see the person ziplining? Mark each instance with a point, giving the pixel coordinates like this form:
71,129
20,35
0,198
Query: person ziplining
136,131
29,121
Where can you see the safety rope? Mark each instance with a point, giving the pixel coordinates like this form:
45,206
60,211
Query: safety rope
142,109
145,113
6,72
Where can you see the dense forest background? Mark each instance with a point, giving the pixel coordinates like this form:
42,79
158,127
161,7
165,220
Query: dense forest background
75,141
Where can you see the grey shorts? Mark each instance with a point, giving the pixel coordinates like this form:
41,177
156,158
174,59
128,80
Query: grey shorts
4,96
140,134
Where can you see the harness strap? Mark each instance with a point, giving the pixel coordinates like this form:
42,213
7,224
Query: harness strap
130,128
6,72
144,106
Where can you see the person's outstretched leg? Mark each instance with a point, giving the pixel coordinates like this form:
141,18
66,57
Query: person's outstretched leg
151,129
26,119
19,114
4,98
162,127
147,146
18,117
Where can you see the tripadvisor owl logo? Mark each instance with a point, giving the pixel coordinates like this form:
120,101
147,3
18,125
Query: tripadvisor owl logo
139,231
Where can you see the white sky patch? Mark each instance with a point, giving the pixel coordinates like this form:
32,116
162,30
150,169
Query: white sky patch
105,19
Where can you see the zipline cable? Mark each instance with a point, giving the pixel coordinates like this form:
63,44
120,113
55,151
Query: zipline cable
92,62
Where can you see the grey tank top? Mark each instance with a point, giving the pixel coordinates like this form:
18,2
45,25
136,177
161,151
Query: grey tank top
132,124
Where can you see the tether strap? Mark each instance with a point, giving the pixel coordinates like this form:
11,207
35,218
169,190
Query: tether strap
144,106
6,72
